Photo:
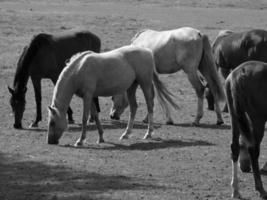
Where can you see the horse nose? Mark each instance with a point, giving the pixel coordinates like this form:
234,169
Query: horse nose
17,126
52,140
245,166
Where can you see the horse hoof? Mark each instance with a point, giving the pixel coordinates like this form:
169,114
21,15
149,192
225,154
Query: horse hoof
169,122
99,141
211,108
124,136
91,120
147,136
145,121
79,143
196,124
33,125
17,126
236,194
71,121
220,123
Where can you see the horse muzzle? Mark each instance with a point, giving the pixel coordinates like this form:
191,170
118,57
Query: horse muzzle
52,140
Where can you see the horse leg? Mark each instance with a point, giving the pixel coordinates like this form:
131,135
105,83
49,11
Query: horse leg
38,99
131,94
87,99
150,104
244,159
254,151
70,115
97,107
235,148
225,72
94,115
199,88
218,113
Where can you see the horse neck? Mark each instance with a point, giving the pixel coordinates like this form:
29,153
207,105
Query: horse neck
63,93
20,80
22,72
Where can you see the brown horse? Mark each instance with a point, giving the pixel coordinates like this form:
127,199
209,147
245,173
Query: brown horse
230,49
246,91
45,57
184,48
105,74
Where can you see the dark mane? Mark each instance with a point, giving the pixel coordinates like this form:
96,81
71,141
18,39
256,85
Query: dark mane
22,71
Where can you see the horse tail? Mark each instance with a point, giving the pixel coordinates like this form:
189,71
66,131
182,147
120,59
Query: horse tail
164,96
208,68
239,118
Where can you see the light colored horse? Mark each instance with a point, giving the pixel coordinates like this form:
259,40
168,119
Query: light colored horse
91,75
184,48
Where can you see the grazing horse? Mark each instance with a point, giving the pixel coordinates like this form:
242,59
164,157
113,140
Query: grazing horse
231,49
105,74
246,92
45,57
184,48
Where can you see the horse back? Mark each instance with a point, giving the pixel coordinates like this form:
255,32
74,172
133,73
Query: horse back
114,72
171,48
233,49
249,87
66,45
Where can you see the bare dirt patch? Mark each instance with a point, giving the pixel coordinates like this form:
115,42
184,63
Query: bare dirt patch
181,162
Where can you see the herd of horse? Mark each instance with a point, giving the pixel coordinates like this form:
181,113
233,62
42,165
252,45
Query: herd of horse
75,65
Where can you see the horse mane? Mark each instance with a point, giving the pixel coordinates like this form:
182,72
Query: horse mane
27,56
75,56
63,78
137,34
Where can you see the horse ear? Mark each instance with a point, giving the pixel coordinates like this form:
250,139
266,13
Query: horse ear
10,90
52,110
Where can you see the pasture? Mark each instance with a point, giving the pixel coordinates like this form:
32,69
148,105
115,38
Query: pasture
180,162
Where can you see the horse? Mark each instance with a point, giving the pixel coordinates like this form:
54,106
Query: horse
246,93
91,74
45,57
230,49
184,48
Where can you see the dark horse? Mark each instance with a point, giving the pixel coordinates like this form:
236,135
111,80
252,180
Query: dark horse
231,49
45,57
246,91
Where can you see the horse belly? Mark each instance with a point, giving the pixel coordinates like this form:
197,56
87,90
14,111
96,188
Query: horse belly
112,84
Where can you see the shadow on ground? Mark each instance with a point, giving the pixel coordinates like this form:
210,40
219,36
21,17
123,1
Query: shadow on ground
145,145
206,126
113,124
35,180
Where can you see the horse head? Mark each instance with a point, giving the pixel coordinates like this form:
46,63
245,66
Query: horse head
57,124
17,102
120,102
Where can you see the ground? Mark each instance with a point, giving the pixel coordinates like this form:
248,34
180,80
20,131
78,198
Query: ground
180,162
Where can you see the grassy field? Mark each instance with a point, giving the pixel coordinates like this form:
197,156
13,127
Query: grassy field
181,162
